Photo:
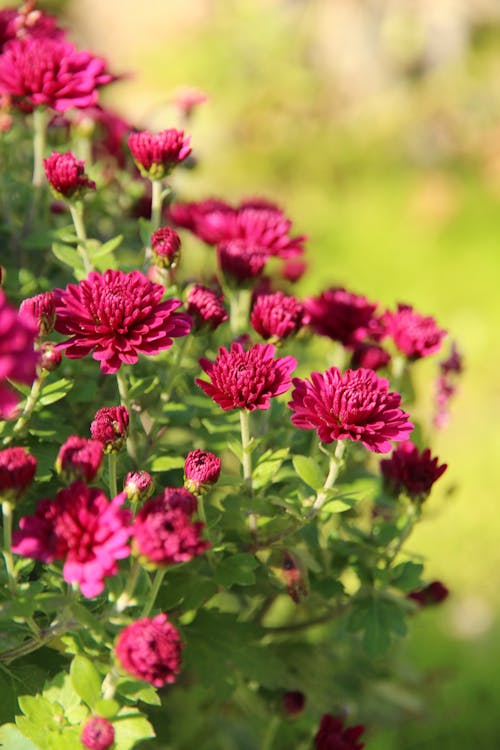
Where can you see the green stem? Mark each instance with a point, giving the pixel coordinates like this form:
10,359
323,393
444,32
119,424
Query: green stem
239,310
126,597
272,728
33,644
412,516
175,368
125,401
335,464
156,204
113,485
109,683
203,517
7,544
246,455
40,122
76,210
159,575
29,405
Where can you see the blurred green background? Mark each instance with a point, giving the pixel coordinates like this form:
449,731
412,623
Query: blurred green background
376,125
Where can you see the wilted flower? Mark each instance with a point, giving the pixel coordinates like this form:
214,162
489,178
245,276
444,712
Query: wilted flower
354,406
139,486
79,458
410,471
18,358
17,470
276,315
41,309
97,733
110,427
415,335
66,176
201,469
150,650
331,735
117,316
341,315
246,379
434,593
156,154
205,307
51,73
166,246
83,528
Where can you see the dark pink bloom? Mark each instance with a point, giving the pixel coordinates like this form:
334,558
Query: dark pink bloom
139,485
83,528
109,133
276,315
354,406
205,307
446,385
79,458
294,702
66,176
246,379
50,73
264,225
331,735
166,247
110,428
415,335
165,535
50,356
97,733
434,593
293,269
117,316
180,498
150,650
241,259
41,309
201,469
370,356
187,98
410,471
341,315
156,154
211,220
16,23
18,358
17,470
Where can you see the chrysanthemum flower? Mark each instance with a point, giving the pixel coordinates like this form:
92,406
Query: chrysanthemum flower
211,220
241,259
246,379
205,307
16,23
180,498
17,470
166,246
201,469
341,315
370,356
150,650
51,73
117,316
354,406
110,427
434,593
415,335
276,315
79,458
139,486
83,528
18,358
165,535
187,98
294,702
410,471
156,154
41,309
331,735
97,733
66,176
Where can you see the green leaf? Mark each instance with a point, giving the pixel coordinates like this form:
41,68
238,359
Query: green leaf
37,708
55,391
237,569
105,248
86,680
106,707
378,619
144,231
68,255
12,739
166,463
309,471
131,729
407,576
268,466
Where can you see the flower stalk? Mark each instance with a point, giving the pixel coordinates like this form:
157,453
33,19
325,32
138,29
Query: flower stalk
126,597
76,210
40,122
7,544
125,401
333,472
157,581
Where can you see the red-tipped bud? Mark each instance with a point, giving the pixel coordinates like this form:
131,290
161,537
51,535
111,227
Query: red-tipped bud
201,469
139,486
110,427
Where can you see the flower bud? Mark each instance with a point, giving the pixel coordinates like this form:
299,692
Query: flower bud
294,702
97,734
79,458
139,486
42,310
206,308
166,247
110,426
434,593
156,154
201,469
66,176
17,469
50,356
150,650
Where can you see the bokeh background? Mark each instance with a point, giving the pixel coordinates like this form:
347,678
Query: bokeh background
376,125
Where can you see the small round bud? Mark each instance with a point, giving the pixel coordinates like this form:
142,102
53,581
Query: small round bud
201,469
17,469
50,356
79,458
66,176
294,702
166,247
139,486
110,426
98,734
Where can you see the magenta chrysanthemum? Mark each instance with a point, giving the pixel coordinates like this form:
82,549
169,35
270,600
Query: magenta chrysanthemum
139,486
201,469
415,335
246,379
17,23
341,315
276,315
331,735
18,358
354,406
156,154
17,470
165,535
166,246
410,471
241,259
211,220
434,593
97,733
117,316
370,356
66,175
205,307
110,427
150,650
83,528
51,73
79,458
41,309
